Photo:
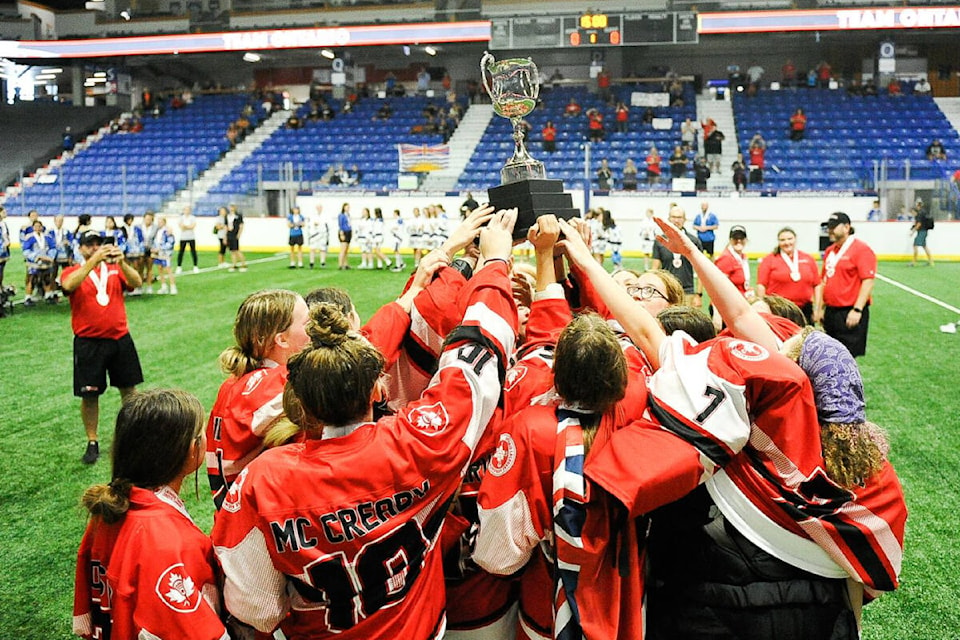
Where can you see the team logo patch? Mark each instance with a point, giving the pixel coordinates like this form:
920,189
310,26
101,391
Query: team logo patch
514,376
431,419
503,458
231,502
177,590
748,351
254,381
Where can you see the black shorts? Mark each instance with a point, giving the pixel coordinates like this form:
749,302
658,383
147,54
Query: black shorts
94,358
346,236
223,246
835,325
233,243
296,241
708,246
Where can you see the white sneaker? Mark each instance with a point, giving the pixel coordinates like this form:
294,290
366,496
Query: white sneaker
173,290
949,328
163,290
136,292
196,269
243,269
148,289
179,269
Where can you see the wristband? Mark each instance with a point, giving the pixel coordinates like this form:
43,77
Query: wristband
489,260
858,309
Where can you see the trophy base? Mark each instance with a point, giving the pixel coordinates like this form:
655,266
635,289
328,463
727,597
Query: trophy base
533,198
517,172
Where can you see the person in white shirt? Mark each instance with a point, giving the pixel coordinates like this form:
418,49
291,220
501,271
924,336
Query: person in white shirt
188,238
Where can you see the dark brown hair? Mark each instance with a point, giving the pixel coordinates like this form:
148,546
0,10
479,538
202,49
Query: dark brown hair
694,322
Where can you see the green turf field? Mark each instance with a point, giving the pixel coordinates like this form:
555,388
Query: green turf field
911,374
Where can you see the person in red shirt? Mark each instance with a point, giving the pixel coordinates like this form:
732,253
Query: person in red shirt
144,569
572,110
790,273
757,155
849,270
622,116
798,125
788,74
102,342
549,133
603,85
653,166
595,125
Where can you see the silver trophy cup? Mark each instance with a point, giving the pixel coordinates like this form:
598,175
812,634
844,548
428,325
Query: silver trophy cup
513,85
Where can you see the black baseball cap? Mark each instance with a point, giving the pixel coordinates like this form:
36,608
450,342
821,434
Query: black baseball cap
738,232
837,218
90,236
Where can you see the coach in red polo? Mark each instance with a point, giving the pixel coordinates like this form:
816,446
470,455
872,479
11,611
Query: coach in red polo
849,269
102,342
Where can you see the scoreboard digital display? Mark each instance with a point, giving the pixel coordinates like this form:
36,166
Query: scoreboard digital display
594,30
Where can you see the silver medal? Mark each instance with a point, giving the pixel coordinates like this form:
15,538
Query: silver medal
677,262
795,276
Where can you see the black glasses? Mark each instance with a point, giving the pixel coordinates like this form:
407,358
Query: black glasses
644,292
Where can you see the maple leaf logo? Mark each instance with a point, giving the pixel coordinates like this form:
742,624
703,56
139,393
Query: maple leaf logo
177,589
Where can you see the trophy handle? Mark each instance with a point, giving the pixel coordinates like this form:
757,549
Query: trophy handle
535,79
484,60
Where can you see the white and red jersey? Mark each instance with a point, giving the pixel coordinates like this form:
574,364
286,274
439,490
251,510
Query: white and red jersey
245,408
434,314
339,536
151,575
90,319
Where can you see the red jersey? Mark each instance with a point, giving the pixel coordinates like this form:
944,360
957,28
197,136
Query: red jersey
798,122
858,263
653,164
623,114
245,408
549,134
151,575
90,319
756,156
596,121
774,274
338,537
735,268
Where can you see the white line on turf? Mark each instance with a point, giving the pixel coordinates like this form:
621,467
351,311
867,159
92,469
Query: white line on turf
940,303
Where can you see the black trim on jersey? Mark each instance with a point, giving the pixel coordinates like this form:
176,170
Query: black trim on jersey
418,354
822,502
471,333
708,446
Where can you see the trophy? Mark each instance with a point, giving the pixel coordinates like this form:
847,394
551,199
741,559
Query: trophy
513,87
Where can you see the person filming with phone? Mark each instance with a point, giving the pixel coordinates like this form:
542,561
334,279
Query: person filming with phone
102,342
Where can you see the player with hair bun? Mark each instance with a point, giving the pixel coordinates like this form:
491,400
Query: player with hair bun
144,569
337,534
268,329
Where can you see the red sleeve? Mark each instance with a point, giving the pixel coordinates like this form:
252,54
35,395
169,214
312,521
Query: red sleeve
548,318
386,331
866,262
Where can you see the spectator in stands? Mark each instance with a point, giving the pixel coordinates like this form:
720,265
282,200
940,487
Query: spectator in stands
603,85
326,111
894,88
855,88
688,134
653,166
622,116
648,116
423,81
554,78
757,161
604,176
708,126
678,163
549,134
869,88
629,180
739,168
293,122
701,173
824,74
922,88
936,150
713,147
68,141
384,112
390,83
595,128
573,109
812,79
798,125
788,74
676,93
754,76
354,175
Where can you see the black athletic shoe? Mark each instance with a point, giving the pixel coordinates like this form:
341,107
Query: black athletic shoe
93,452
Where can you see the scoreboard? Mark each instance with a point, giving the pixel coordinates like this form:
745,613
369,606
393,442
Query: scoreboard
594,30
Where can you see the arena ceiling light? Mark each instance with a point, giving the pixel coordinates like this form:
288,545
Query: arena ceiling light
328,54
250,56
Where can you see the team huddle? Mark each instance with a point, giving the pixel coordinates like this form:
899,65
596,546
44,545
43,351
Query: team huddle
501,453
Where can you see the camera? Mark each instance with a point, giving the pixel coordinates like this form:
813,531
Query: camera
6,300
